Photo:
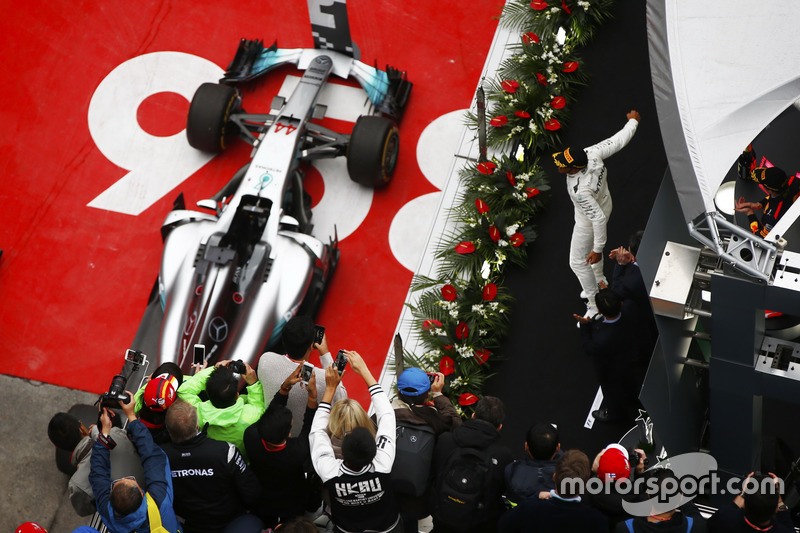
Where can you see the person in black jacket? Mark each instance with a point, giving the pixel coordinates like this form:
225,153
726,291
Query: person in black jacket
482,434
758,508
214,488
664,518
628,284
562,510
281,461
528,477
420,402
609,340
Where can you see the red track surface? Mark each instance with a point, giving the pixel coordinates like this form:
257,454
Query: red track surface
74,279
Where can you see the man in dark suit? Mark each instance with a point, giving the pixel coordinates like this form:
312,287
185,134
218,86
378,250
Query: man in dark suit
609,340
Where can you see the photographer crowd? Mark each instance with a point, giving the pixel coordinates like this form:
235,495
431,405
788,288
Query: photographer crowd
289,452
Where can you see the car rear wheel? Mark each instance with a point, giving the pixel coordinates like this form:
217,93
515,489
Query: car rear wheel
207,127
372,151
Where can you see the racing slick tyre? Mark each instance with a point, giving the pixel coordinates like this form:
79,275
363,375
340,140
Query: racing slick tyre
372,151
207,126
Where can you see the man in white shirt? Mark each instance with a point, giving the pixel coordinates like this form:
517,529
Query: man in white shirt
587,185
297,338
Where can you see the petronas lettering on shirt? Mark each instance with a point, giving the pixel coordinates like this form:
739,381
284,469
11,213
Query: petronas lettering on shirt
187,472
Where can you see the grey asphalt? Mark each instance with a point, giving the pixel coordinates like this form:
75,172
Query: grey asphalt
31,485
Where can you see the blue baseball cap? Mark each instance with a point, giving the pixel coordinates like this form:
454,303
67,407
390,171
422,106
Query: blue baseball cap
413,382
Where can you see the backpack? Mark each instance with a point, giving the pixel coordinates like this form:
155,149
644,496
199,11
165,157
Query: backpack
411,470
524,480
459,500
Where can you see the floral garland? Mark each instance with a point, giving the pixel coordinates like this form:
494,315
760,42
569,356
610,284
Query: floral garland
462,314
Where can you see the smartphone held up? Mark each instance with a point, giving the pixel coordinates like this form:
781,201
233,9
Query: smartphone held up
340,362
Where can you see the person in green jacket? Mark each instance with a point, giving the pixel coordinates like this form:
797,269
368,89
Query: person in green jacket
227,413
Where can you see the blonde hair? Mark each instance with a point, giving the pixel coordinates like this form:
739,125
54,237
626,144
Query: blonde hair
347,414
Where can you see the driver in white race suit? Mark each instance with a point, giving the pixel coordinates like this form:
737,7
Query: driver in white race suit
587,185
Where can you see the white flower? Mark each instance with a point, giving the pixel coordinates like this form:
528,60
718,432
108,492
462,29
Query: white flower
502,242
454,313
482,332
478,308
464,350
512,229
456,382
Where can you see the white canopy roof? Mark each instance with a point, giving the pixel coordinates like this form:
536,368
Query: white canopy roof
722,70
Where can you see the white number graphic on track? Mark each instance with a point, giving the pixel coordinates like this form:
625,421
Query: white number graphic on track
156,165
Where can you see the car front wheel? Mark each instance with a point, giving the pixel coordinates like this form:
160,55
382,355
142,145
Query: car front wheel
372,151
207,126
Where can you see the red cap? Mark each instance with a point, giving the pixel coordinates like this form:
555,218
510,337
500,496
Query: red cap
160,392
30,527
614,463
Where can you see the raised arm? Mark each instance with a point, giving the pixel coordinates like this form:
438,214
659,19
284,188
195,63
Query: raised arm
618,141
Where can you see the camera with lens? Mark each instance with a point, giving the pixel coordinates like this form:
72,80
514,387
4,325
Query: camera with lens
636,457
135,364
116,393
238,367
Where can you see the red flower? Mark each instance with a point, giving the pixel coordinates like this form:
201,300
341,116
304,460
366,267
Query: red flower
530,37
465,247
487,167
483,208
510,86
462,331
449,292
532,191
489,292
482,355
565,7
467,399
499,121
430,324
552,125
494,233
541,78
558,102
446,365
572,66
522,114
538,5
510,178
517,239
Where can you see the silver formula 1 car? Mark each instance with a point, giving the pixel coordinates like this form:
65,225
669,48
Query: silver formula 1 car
231,277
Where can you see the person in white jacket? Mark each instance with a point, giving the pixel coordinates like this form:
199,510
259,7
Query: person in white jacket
359,485
587,185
